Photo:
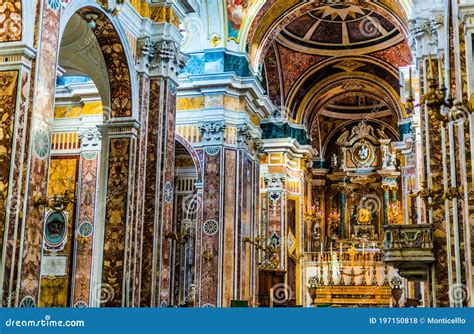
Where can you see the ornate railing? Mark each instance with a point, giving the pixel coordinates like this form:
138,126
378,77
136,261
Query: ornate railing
409,248
359,257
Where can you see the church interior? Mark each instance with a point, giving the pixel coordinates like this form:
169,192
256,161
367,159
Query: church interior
236,153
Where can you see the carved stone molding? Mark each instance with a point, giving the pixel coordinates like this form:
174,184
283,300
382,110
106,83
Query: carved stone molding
160,58
90,138
274,182
258,146
244,136
427,35
213,133
466,13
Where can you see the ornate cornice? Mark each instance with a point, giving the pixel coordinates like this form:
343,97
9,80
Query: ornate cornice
244,136
160,58
213,133
427,34
274,181
90,138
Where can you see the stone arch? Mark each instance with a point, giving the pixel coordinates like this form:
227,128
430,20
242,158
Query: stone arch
123,80
313,100
193,153
272,17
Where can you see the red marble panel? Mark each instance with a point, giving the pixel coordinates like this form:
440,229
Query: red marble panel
198,252
295,64
210,243
150,202
230,260
169,159
83,260
43,109
141,181
273,71
116,220
398,55
116,61
244,224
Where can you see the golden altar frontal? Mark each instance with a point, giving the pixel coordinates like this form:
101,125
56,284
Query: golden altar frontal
350,295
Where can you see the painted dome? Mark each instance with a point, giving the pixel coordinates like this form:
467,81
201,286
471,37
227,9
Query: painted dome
340,28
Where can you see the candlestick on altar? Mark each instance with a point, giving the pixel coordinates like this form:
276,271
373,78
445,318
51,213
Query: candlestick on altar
271,297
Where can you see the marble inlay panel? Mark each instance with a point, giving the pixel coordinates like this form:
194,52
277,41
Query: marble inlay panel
10,20
116,220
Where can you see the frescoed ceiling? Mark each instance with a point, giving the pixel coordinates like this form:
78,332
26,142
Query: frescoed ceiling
333,63
341,29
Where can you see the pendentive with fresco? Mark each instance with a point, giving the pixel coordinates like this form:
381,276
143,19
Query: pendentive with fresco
233,153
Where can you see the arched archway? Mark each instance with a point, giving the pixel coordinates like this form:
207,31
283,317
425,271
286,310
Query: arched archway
187,214
273,17
331,71
94,141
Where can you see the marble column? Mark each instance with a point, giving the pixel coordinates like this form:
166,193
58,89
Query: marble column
159,64
120,140
32,102
89,166
16,67
467,14
230,177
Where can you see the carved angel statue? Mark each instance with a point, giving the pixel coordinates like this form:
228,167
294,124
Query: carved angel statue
393,160
385,157
362,130
389,159
334,161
